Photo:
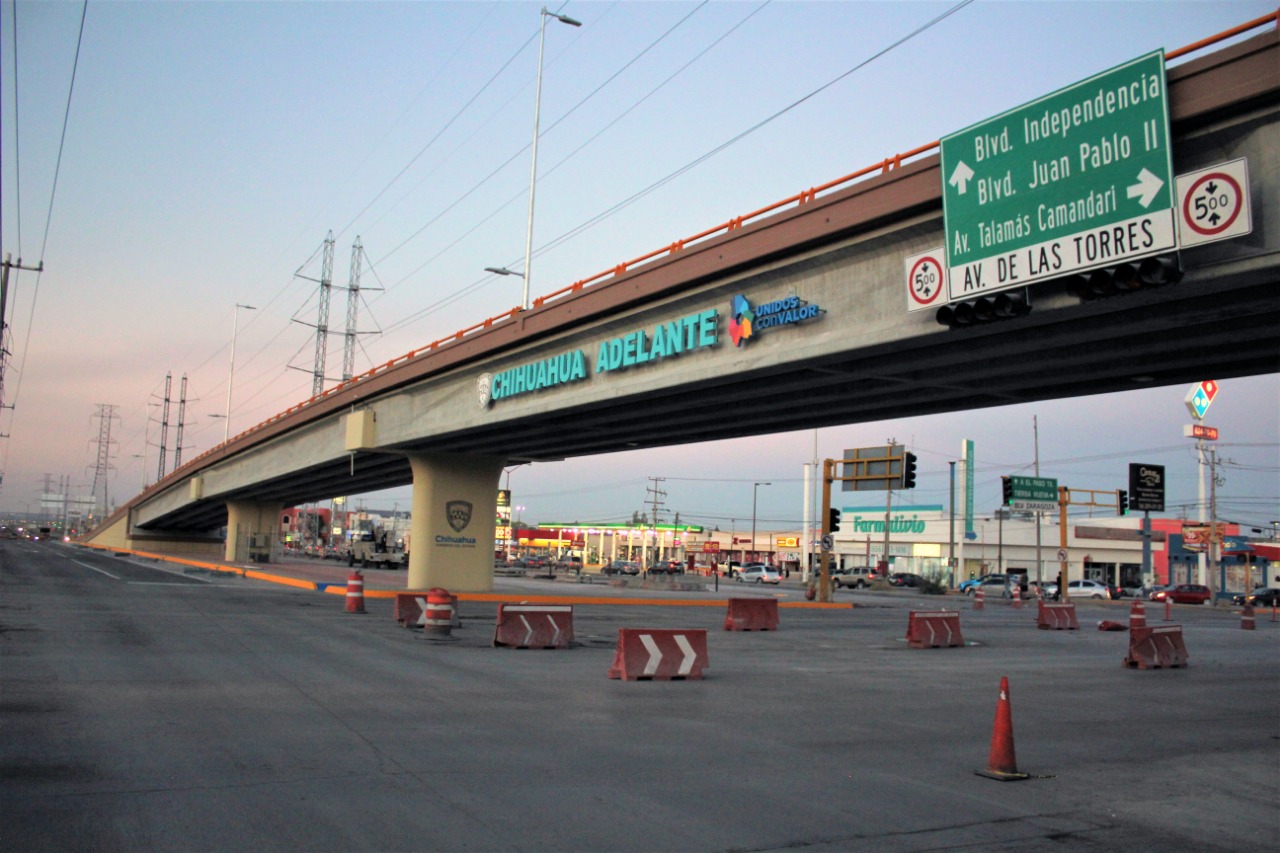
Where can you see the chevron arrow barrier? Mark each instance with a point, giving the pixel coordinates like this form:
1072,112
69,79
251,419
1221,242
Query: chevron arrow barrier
534,626
648,654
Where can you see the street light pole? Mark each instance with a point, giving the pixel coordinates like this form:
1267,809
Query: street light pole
533,169
235,320
754,490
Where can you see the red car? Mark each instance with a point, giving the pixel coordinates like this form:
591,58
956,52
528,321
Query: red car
1185,593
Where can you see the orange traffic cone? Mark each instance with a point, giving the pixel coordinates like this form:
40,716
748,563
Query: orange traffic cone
1246,619
1138,615
355,593
978,600
1002,764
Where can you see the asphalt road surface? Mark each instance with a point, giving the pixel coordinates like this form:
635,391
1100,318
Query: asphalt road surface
147,708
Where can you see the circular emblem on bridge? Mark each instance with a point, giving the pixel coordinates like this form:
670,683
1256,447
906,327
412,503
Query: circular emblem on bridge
484,390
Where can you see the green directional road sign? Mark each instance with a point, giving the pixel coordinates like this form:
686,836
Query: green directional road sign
1078,179
1034,493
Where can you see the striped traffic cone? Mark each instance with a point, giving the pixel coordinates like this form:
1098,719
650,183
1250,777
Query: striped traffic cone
978,600
1137,615
1002,764
1246,619
355,593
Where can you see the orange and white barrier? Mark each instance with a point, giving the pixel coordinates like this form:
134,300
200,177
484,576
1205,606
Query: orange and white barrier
355,593
1246,619
752,614
1138,615
645,654
438,615
979,600
1060,616
1155,648
1016,593
534,626
932,629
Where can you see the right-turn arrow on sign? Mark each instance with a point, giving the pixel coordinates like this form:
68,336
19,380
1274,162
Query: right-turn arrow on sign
1079,179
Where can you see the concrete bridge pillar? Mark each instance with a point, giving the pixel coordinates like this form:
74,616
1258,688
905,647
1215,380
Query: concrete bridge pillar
252,529
455,498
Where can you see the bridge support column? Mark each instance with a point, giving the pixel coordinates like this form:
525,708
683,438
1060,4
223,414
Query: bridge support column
455,498
252,529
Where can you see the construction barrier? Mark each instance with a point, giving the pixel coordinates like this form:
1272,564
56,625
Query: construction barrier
1168,610
411,609
752,614
931,629
1017,597
534,626
1138,615
659,655
355,593
1002,764
1246,619
979,600
1153,648
1057,617
438,616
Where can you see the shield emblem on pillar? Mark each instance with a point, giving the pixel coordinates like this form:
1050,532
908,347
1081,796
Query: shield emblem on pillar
459,514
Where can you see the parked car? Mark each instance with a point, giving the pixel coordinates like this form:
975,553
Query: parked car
758,573
970,586
1042,589
568,562
1260,597
1185,593
905,579
993,586
856,577
667,567
1088,589
621,567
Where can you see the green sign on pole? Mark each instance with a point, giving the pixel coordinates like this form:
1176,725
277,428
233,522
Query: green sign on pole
1034,493
1078,179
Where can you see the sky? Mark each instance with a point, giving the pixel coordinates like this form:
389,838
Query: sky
209,147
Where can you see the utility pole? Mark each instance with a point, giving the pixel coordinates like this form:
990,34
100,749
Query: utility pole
7,265
654,495
1035,427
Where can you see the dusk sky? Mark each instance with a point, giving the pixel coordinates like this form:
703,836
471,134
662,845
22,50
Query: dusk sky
209,147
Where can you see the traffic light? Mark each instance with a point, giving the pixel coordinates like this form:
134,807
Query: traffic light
1122,502
833,520
1006,490
909,471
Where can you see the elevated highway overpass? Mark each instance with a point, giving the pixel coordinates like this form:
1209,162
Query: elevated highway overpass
657,351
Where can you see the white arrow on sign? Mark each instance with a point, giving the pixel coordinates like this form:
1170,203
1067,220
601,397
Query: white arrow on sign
655,654
686,665
528,630
1146,188
961,176
422,617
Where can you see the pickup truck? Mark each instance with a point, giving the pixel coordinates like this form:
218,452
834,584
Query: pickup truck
365,551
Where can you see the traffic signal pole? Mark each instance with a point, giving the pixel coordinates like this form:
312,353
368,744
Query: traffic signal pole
824,570
1119,501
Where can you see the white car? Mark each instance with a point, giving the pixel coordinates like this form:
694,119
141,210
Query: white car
758,573
1088,589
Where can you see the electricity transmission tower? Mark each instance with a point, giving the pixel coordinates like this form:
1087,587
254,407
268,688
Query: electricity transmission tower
102,468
